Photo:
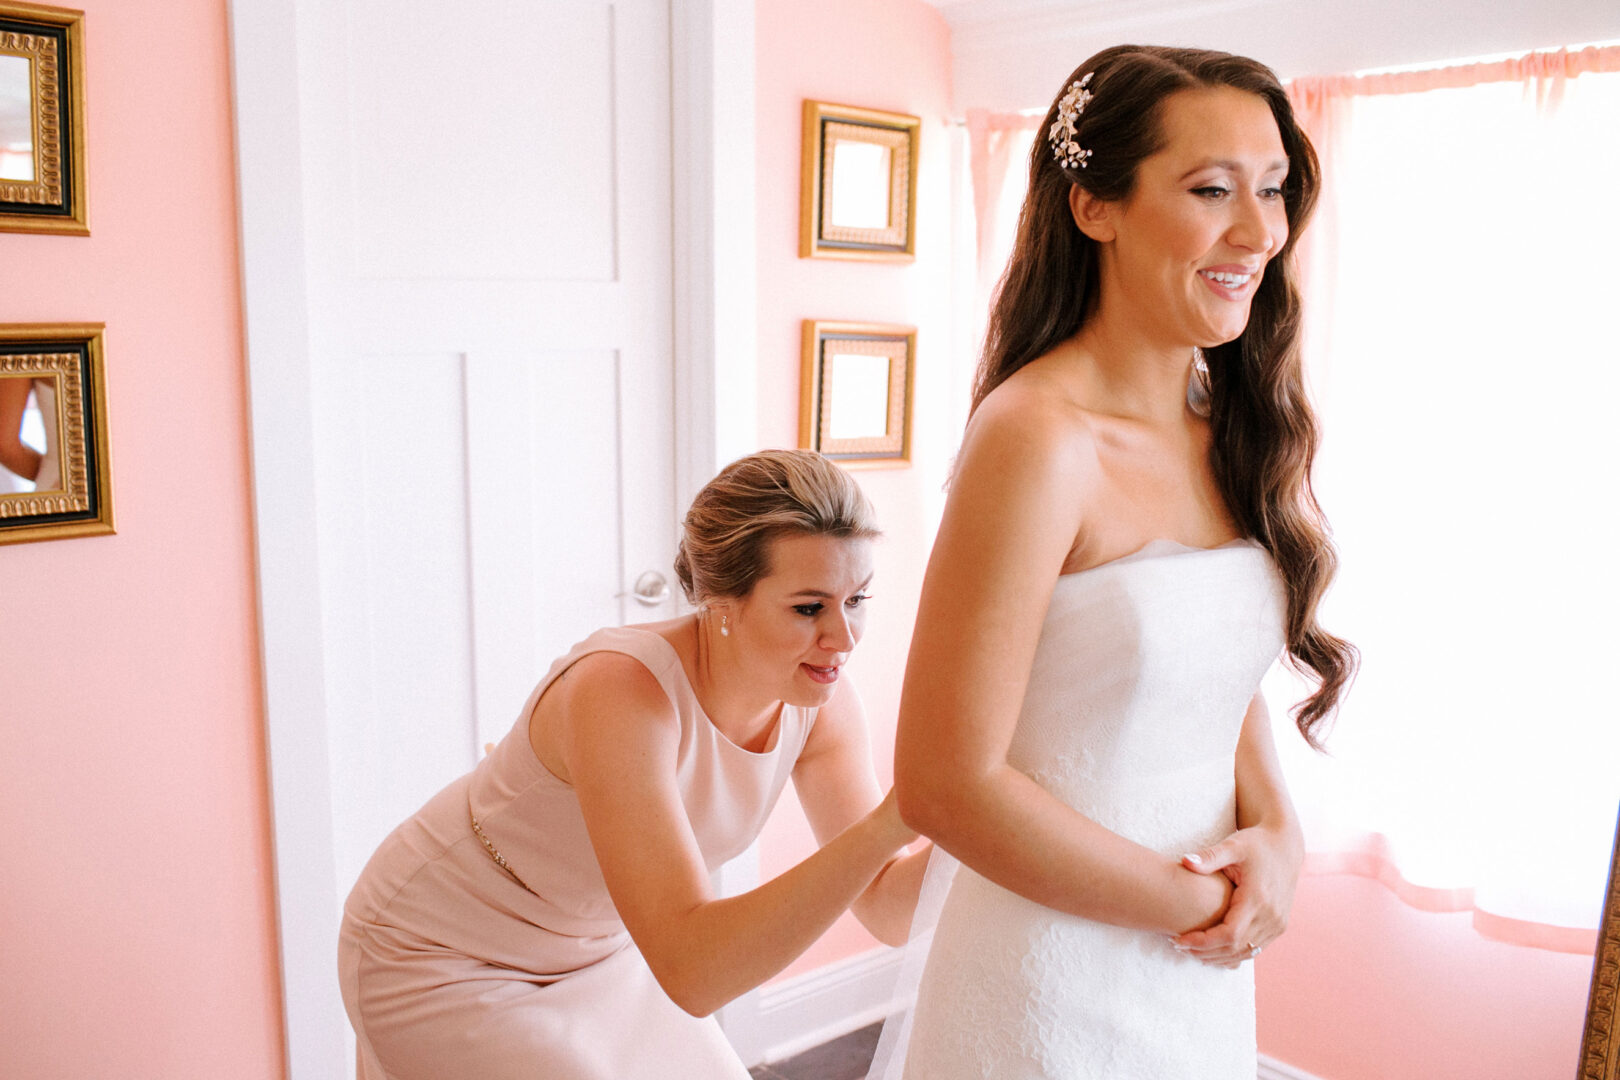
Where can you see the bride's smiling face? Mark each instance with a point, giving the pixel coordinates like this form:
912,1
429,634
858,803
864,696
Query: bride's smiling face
795,629
1186,250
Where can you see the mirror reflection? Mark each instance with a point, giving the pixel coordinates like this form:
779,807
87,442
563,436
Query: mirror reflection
16,118
859,395
30,457
860,188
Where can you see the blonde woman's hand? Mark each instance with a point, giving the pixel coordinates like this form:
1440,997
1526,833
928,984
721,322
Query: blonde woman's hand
887,819
1263,866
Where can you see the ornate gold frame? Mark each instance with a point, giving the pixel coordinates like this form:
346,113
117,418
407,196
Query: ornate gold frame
817,401
52,40
70,353
1600,1046
825,125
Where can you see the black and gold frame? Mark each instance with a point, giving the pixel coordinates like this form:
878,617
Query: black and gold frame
858,184
42,186
62,367
855,392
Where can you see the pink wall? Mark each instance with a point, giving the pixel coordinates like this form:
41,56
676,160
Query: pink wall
1362,987
883,54
136,908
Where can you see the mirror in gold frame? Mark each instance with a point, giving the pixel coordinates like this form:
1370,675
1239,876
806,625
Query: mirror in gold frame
58,476
42,186
855,392
858,184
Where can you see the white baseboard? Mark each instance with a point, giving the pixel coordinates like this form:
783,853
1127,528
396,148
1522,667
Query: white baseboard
819,1006
1272,1069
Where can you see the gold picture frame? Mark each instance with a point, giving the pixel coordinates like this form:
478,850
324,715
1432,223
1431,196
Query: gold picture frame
1600,1044
62,366
858,184
855,392
42,181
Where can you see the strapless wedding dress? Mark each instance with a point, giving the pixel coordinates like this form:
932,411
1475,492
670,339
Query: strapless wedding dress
1143,673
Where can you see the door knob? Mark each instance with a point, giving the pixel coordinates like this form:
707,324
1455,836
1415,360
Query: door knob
650,589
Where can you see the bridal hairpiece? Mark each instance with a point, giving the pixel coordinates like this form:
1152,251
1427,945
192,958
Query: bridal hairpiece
1061,135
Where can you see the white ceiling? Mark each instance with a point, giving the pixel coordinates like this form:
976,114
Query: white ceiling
1024,16
984,10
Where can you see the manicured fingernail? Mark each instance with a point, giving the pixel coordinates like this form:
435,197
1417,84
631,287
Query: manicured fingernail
1194,859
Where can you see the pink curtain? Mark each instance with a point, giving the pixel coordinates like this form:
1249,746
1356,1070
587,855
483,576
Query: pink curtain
1318,100
1464,363
1323,106
998,144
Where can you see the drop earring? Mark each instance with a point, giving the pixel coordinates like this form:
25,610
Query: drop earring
725,631
1198,392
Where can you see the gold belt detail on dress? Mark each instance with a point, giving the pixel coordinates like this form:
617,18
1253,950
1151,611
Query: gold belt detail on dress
500,860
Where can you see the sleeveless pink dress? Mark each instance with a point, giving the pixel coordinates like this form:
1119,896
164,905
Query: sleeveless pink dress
455,966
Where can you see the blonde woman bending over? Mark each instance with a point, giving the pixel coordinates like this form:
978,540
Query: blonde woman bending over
549,914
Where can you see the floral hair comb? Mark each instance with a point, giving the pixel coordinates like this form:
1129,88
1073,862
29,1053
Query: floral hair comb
1061,135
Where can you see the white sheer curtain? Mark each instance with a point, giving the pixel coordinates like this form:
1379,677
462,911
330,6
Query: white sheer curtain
1464,351
998,157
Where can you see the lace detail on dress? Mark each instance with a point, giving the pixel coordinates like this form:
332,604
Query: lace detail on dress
1135,700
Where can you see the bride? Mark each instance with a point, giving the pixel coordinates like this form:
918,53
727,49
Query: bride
1130,542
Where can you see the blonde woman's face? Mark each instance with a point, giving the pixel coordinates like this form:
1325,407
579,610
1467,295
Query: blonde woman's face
801,622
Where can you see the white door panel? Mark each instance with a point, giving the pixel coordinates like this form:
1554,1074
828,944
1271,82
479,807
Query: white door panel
495,143
395,570
539,513
491,366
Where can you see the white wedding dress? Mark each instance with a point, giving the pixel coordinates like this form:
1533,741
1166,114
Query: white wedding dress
1143,673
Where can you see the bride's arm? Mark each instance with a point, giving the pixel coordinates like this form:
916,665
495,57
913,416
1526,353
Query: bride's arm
1262,858
1012,517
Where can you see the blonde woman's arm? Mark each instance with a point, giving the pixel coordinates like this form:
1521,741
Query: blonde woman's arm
618,739
837,786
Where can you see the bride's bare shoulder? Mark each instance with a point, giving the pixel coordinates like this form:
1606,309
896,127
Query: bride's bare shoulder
1034,417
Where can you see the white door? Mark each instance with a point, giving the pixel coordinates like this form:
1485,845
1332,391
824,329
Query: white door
489,255
460,279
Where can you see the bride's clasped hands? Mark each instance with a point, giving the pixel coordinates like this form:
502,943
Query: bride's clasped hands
1262,864
1261,858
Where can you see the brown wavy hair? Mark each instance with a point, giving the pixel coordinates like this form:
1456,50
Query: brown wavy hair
1264,434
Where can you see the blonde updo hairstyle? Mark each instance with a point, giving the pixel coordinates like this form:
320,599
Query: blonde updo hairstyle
726,535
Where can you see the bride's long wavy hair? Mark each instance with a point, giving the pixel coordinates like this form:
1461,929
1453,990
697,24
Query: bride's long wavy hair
1264,432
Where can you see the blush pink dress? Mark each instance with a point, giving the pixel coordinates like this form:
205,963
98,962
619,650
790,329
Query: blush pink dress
454,965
